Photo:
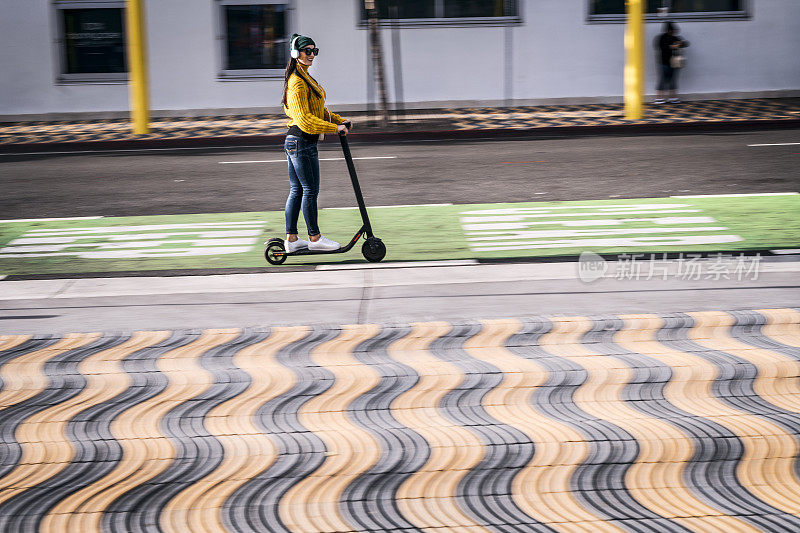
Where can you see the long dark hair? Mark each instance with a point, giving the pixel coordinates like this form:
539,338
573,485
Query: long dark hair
291,67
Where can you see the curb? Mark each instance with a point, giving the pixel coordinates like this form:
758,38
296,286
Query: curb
419,135
309,267
603,323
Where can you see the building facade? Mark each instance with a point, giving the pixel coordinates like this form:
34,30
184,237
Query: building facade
61,57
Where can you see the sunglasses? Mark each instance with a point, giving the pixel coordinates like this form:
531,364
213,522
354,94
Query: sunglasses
310,51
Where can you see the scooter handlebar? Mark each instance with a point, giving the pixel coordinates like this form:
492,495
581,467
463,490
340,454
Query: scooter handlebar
348,125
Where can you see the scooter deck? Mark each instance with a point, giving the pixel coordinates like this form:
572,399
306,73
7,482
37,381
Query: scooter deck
306,251
340,250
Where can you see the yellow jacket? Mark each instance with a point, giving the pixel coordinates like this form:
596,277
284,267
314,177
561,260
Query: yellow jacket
304,109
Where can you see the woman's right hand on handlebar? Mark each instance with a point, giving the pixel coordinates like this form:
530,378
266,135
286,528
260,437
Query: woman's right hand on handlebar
341,129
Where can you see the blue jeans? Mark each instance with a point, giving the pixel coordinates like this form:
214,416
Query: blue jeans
668,79
303,183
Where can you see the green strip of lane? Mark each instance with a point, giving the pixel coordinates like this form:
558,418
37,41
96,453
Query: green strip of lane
235,240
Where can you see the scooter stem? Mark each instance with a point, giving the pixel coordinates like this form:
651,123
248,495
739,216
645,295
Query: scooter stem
356,187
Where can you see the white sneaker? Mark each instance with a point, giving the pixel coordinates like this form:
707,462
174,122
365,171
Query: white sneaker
658,101
674,101
324,243
299,244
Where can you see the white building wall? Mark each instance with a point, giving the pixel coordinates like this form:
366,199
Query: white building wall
182,56
556,55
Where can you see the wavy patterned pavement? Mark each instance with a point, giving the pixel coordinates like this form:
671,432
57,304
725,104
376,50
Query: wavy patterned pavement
687,422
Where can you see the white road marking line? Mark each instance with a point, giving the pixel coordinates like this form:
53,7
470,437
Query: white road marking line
775,144
512,218
737,195
401,264
607,208
11,221
563,233
321,159
609,243
388,206
199,226
786,252
493,227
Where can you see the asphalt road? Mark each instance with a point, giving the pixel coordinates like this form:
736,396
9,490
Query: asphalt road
173,181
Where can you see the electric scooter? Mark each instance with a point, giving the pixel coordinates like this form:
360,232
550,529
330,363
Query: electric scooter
373,248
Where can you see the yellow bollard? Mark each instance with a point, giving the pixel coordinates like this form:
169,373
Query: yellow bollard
137,66
634,60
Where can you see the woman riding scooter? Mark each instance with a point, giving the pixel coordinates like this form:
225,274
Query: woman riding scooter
304,103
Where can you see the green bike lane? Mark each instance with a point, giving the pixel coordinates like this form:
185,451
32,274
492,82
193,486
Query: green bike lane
211,241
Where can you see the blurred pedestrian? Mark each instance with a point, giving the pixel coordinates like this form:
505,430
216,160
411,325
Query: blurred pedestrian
670,61
304,103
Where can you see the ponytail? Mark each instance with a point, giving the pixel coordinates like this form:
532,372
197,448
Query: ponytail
291,68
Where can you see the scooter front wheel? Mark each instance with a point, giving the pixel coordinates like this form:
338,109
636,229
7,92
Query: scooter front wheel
275,253
373,249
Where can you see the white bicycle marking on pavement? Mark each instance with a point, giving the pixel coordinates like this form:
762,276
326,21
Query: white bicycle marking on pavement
142,241
510,229
16,220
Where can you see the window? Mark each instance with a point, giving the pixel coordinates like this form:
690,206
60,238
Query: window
445,12
705,6
405,9
614,10
254,38
476,8
91,38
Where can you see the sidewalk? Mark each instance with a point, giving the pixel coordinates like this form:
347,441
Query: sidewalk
462,122
391,292
669,422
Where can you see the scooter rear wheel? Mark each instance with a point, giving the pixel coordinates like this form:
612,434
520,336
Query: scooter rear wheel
373,249
275,253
